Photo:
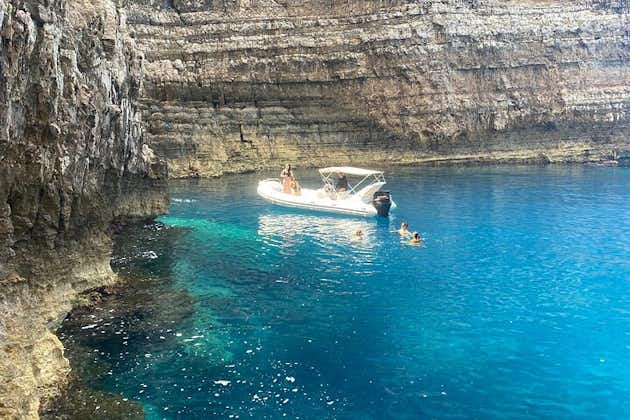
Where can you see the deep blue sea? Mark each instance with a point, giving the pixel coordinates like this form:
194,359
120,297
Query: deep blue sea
516,306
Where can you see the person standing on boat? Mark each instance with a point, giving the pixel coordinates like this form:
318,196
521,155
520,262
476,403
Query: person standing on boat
286,176
342,183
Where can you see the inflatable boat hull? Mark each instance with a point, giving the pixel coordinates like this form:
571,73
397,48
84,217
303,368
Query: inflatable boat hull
315,200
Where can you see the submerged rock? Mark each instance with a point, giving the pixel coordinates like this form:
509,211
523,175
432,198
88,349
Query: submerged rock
112,323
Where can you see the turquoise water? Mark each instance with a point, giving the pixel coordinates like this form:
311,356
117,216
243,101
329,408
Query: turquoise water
517,305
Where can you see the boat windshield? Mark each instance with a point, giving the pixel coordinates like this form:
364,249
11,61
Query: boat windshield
362,177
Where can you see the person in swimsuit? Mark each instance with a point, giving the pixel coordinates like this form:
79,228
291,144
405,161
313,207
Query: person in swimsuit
286,175
416,240
358,235
404,230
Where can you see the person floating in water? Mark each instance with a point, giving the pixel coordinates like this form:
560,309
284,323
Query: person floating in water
404,230
342,182
358,235
416,239
286,176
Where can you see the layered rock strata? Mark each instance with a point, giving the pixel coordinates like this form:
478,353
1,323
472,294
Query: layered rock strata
72,159
241,85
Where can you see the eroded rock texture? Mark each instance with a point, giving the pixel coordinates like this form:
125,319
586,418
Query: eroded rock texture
236,85
72,159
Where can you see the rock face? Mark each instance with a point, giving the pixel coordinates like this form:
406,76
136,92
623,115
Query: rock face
236,85
72,159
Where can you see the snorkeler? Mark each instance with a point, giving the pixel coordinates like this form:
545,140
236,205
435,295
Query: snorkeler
404,230
416,239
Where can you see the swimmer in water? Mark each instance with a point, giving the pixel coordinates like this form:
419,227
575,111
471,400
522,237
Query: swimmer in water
404,230
358,235
415,240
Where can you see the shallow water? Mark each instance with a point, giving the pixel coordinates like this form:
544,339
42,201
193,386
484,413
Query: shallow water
516,306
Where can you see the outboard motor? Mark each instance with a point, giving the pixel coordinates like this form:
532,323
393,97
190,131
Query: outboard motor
382,202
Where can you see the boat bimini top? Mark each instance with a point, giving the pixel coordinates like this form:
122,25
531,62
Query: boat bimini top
370,178
349,170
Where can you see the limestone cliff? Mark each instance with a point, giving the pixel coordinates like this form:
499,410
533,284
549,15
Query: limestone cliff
72,159
236,85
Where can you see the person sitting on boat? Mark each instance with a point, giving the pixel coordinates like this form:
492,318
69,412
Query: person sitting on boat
342,183
404,230
295,186
286,175
416,239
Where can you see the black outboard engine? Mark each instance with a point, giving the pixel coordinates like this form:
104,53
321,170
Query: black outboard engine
382,202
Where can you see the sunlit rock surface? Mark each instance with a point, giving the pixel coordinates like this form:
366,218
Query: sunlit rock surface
72,159
240,85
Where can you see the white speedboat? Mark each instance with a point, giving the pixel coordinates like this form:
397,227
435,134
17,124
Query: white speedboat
362,198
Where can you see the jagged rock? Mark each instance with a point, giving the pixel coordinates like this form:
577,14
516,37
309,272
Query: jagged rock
55,131
72,159
32,366
239,85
